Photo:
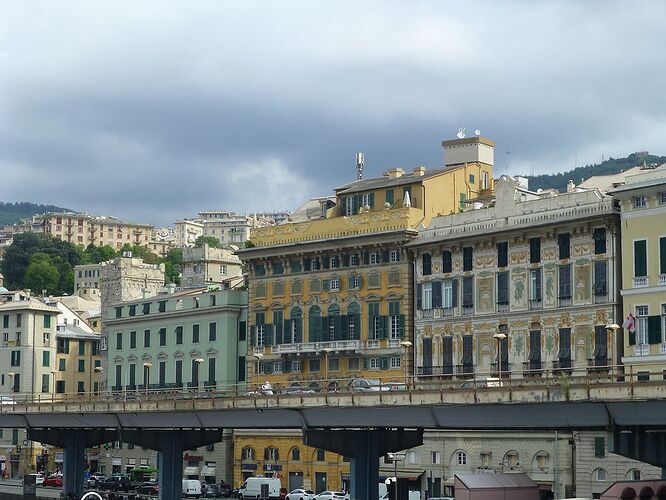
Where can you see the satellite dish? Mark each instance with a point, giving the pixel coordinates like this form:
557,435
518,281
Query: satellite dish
477,133
461,133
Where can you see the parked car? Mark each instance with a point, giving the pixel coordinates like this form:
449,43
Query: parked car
300,494
148,488
117,482
225,490
39,479
53,480
210,490
332,495
191,488
374,385
297,389
94,480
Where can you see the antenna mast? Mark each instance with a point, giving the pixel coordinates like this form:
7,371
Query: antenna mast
360,161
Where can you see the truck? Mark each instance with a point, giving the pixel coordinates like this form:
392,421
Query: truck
251,488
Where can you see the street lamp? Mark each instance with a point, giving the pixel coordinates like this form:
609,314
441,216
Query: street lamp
53,374
500,337
406,344
326,352
198,361
100,370
258,356
146,375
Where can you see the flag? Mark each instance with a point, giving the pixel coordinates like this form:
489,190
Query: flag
630,323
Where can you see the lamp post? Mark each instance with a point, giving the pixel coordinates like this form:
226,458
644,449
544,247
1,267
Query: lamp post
612,328
198,361
53,374
146,375
98,369
258,356
326,352
500,337
406,344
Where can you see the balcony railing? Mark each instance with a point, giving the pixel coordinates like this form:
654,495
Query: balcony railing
663,348
506,367
336,345
468,310
464,370
435,370
426,314
641,350
503,307
532,368
562,365
601,299
372,344
447,312
662,280
394,342
536,304
564,301
640,281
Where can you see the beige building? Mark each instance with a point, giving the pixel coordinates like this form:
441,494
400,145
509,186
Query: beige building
86,281
539,268
206,265
643,210
231,228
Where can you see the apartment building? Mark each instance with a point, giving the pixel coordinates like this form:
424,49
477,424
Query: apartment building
187,231
331,296
206,265
84,229
190,340
643,212
540,269
231,228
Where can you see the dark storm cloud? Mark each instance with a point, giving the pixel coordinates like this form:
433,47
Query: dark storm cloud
154,110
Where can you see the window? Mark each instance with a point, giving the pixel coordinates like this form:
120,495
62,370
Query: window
600,284
46,358
374,363
599,237
471,178
19,316
640,258
374,258
395,319
60,387
394,256
564,245
353,260
242,330
277,267
315,285
132,341
15,358
468,253
461,458
321,455
119,340
535,250
333,364
212,364
161,306
296,266
564,285
315,365
179,372
427,296
353,363
296,287
295,454
195,334
640,201
535,288
132,310
468,293
315,265
82,365
503,254
435,457
80,387
642,324
426,264
503,290
335,285
248,453
395,362
447,266
179,335
212,332
162,336
5,321
146,308
662,255
46,383
278,289
146,338
61,365
600,474
463,201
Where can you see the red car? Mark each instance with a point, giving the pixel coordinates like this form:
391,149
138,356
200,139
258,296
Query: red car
54,480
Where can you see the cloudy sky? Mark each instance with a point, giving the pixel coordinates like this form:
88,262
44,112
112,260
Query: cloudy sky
153,110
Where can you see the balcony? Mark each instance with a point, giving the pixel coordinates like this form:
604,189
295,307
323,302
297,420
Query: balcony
601,299
663,348
464,370
445,370
503,307
532,368
372,344
426,314
562,365
564,301
505,368
640,281
536,304
642,349
468,310
447,312
662,280
394,342
313,347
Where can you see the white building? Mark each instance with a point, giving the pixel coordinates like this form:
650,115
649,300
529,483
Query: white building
187,231
203,266
231,228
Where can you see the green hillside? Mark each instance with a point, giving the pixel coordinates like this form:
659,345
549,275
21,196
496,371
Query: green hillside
610,166
10,213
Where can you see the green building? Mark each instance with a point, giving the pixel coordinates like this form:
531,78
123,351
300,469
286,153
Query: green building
193,339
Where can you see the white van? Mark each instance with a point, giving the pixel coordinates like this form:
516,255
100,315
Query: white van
252,487
191,488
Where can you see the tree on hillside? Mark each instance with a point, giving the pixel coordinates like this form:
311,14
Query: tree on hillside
94,254
17,258
173,265
41,274
210,240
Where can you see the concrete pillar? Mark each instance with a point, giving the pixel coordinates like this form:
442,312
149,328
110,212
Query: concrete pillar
73,464
170,465
365,467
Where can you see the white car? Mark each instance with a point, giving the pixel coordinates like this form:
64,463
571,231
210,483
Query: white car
332,495
39,478
374,385
300,494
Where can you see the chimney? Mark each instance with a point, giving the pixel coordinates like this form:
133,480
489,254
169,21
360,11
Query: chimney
394,173
420,170
571,186
468,150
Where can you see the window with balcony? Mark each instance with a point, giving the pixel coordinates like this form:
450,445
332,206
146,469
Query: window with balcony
600,281
535,350
468,296
535,289
640,263
447,355
426,356
600,353
426,301
564,245
449,296
564,285
662,261
503,291
426,264
467,360
564,353
599,237
503,254
395,320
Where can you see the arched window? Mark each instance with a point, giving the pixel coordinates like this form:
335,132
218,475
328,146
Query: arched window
314,324
354,321
333,310
248,453
296,454
461,457
599,474
511,459
271,453
321,455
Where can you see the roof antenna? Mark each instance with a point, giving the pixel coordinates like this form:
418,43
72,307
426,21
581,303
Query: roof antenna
360,161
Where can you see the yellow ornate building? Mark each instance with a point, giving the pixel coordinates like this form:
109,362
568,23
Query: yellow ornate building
643,214
331,295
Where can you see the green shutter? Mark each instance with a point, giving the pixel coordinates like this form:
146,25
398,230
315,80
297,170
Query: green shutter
339,323
384,363
253,335
269,337
383,327
640,258
371,200
654,329
366,363
662,255
287,332
286,366
327,285
357,326
403,333
632,338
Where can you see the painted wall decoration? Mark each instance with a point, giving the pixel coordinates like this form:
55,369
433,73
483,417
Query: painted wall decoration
518,279
583,280
484,289
518,258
